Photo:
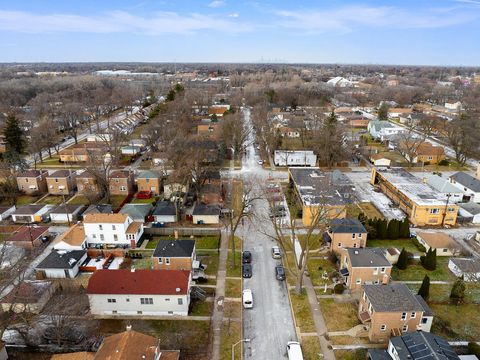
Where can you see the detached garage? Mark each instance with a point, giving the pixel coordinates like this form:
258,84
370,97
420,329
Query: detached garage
206,214
60,264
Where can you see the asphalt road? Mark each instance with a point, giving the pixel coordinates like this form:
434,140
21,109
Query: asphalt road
269,325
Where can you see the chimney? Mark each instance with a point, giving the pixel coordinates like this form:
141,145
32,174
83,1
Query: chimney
129,327
424,180
132,269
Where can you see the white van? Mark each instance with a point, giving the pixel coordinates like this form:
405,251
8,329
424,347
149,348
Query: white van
247,299
294,350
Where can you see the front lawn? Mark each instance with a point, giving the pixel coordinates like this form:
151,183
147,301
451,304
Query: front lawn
211,260
207,242
311,348
316,240
416,272
231,334
201,308
232,309
317,267
237,270
233,288
359,354
301,309
339,316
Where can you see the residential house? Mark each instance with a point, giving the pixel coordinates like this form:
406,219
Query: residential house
445,189
211,177
61,182
112,230
139,292
294,158
206,214
174,255
439,241
65,213
364,266
395,113
165,212
121,182
133,345
87,183
149,181
423,205
6,211
415,346
345,233
98,209
466,268
383,130
391,310
72,239
82,153
29,296
357,121
61,264
468,184
470,211
288,132
28,236
317,190
138,212
212,194
32,181
380,160
131,150
32,213
425,153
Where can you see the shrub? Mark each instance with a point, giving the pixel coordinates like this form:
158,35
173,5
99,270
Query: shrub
429,261
474,349
443,162
424,290
338,289
402,262
458,291
419,246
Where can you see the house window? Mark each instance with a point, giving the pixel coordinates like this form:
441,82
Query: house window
127,300
146,301
339,244
102,237
445,250
413,314
113,227
114,311
353,236
430,158
383,327
100,227
123,188
424,320
112,300
167,299
160,260
358,281
56,180
360,236
375,271
404,316
451,209
354,245
139,313
115,237
94,236
383,270
434,211
405,328
167,261
180,301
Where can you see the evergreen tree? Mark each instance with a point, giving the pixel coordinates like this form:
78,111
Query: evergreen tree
171,95
382,229
424,290
458,291
330,141
382,113
429,261
405,229
393,229
14,139
402,262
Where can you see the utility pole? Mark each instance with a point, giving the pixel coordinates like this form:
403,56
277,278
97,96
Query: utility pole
446,209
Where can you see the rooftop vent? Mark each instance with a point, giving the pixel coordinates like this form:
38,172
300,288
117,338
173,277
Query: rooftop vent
177,290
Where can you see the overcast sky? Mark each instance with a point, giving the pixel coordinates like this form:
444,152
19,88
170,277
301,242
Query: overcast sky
313,31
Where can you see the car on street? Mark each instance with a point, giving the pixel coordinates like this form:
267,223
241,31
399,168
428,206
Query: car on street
280,272
247,299
260,162
247,270
246,257
276,253
278,213
294,350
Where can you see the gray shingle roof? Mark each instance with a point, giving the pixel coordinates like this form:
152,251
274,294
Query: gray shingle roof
201,209
367,257
174,248
164,208
347,226
471,207
395,297
136,211
58,259
467,265
466,180
423,346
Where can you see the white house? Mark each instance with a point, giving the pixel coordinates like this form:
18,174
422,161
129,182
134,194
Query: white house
383,130
139,292
131,150
468,268
339,81
72,239
468,184
31,213
112,230
6,211
295,158
61,264
471,211
206,214
456,106
380,160
165,212
65,213
443,187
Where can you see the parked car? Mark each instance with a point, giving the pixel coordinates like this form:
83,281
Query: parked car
278,214
246,257
247,299
280,272
276,253
260,162
294,350
247,270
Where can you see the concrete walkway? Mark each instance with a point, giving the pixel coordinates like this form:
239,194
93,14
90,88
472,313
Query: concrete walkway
217,317
318,320
419,282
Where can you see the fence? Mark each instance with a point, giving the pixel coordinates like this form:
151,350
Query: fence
182,231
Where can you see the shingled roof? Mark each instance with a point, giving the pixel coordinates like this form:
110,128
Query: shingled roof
174,248
395,297
347,226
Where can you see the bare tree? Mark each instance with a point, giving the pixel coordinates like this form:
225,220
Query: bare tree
71,117
410,141
462,134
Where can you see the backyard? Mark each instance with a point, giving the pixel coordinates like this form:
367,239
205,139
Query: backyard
408,244
416,272
339,316
317,267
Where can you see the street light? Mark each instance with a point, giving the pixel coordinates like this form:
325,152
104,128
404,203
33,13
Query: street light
238,342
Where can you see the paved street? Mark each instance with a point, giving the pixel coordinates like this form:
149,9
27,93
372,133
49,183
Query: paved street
269,325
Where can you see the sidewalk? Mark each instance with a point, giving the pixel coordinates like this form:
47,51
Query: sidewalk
217,317
318,320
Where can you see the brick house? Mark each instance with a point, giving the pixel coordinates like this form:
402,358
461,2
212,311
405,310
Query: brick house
391,310
174,255
364,266
32,181
149,181
87,183
121,182
61,182
345,233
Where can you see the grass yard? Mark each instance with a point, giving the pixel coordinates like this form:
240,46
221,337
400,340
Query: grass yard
116,200
456,322
233,288
398,243
301,309
26,200
211,260
311,348
207,242
237,195
232,309
53,200
441,293
359,354
201,308
143,201
238,243
348,340
370,210
339,316
415,271
237,270
317,267
141,264
231,334
79,200
54,160
316,240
